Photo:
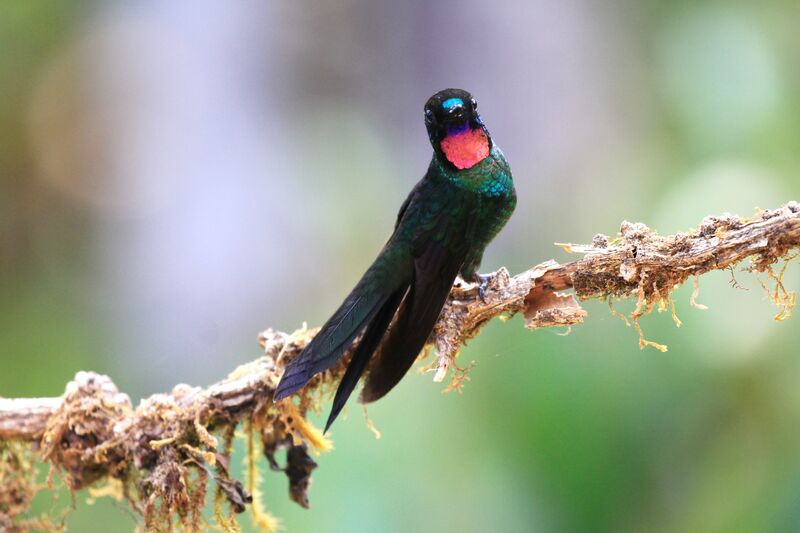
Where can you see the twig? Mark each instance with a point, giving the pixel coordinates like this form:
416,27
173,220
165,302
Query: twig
93,431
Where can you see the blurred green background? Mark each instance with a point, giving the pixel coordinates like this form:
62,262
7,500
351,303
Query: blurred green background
176,176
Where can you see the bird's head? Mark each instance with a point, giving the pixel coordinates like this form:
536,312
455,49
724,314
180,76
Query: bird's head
455,128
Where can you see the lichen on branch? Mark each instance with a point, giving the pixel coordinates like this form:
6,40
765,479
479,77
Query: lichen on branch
163,455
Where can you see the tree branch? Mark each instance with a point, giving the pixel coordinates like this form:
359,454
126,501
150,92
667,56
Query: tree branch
93,431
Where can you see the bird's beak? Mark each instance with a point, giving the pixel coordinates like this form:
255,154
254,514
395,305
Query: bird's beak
456,113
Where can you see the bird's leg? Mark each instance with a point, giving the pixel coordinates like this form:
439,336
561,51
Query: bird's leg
483,281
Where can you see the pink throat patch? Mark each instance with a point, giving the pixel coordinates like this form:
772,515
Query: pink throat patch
466,149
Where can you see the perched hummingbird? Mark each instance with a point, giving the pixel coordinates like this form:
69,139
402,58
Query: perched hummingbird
442,229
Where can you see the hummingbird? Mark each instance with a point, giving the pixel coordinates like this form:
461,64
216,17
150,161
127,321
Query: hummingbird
442,229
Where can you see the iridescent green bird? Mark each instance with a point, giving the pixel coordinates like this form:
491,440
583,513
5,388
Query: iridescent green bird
442,229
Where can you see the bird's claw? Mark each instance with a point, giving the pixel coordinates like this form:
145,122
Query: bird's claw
483,282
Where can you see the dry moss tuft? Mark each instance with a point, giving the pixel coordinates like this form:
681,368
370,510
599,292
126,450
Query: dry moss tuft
17,482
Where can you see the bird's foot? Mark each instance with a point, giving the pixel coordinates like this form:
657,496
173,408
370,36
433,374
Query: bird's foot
483,281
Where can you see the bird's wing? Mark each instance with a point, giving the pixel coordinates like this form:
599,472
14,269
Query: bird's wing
375,298
438,255
363,353
328,346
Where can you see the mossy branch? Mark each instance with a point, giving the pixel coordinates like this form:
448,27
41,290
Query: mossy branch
160,455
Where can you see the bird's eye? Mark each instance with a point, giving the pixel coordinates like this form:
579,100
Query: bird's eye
474,104
428,115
